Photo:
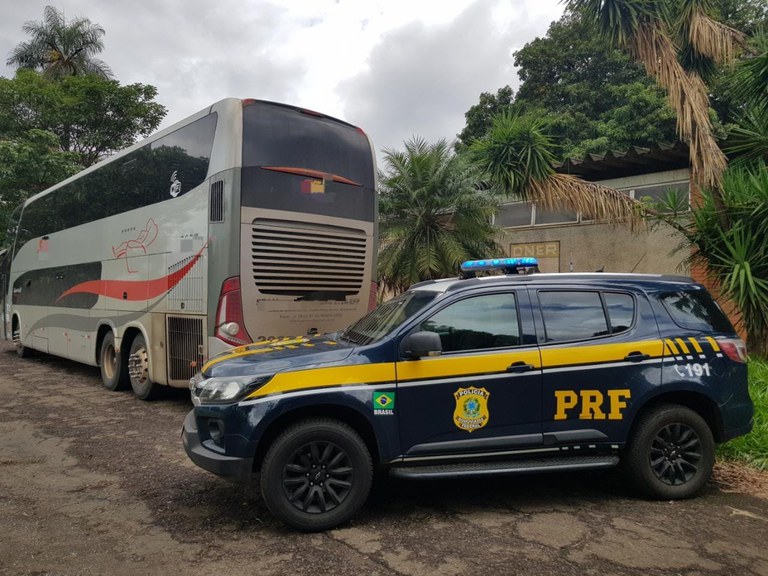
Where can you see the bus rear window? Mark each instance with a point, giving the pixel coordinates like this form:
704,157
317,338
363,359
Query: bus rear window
276,135
695,310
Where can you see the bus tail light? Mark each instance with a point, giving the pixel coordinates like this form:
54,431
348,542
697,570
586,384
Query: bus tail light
230,322
734,348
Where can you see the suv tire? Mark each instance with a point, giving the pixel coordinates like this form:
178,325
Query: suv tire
671,453
316,474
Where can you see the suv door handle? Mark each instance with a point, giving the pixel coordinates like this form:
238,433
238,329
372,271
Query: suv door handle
636,357
520,366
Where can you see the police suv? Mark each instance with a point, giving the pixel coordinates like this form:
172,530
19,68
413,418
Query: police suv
505,374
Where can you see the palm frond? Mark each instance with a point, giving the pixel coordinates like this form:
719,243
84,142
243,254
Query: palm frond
750,84
706,35
687,94
569,193
749,139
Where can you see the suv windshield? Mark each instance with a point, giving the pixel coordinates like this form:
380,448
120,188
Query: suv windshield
387,317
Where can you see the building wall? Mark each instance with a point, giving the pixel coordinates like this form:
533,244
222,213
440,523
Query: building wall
586,246
591,247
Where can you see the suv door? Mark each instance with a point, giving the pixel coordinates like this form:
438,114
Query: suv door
601,355
483,392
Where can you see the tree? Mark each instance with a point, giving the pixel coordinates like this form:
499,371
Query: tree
61,48
593,97
90,116
50,129
651,33
517,156
29,164
736,256
434,214
480,116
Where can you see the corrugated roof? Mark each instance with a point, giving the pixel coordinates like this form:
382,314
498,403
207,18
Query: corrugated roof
632,161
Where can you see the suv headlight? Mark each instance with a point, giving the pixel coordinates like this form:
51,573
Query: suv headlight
224,389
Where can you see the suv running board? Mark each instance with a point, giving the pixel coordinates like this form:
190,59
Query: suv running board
529,465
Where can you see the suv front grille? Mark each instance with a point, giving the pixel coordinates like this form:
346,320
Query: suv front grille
307,262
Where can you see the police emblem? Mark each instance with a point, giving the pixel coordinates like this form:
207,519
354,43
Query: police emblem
471,411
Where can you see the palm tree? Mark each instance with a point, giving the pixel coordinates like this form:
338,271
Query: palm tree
517,156
749,85
61,48
736,258
434,214
663,43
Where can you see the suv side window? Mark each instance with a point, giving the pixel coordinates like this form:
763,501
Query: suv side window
485,321
621,311
695,311
580,315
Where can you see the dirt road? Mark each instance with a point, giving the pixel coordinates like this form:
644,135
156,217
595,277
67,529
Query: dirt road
93,482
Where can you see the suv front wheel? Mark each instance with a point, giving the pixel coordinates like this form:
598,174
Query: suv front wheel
316,474
671,453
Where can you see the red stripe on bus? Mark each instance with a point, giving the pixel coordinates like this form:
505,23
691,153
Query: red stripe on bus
134,289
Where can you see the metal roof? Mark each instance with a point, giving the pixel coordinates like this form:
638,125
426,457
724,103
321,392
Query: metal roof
630,162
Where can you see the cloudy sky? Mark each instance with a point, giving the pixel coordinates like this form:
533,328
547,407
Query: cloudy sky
396,68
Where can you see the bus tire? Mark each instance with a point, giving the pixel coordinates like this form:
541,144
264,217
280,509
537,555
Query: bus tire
21,350
114,371
138,370
316,475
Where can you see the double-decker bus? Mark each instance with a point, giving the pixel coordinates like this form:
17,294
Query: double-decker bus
248,221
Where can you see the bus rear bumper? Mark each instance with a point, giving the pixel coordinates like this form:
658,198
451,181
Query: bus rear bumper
228,467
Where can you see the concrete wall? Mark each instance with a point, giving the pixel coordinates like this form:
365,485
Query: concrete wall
589,246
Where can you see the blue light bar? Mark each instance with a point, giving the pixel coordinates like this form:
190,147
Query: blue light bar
509,265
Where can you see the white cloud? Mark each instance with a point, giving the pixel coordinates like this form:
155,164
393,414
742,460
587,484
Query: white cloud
394,67
421,79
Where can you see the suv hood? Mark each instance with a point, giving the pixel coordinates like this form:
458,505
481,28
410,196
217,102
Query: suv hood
275,356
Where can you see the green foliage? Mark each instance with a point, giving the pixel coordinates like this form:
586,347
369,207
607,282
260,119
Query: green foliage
753,448
592,97
60,48
640,117
748,140
751,81
28,165
516,150
480,116
50,129
434,214
749,16
90,116
736,254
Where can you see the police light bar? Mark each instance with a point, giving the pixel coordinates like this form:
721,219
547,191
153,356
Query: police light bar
508,265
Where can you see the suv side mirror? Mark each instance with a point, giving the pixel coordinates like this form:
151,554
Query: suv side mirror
420,344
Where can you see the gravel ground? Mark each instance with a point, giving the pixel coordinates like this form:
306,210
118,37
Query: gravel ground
95,482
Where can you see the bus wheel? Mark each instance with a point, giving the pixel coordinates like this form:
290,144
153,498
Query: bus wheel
138,370
21,350
114,371
316,474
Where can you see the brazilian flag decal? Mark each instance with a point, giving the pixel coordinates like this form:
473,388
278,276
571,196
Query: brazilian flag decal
383,403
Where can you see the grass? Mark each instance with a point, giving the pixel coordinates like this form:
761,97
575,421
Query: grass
753,448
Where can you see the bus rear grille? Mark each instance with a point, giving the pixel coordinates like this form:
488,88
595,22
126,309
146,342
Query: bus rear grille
308,262
185,348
